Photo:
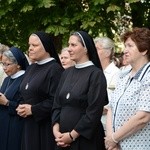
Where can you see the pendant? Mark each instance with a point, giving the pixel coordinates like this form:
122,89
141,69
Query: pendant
68,96
27,85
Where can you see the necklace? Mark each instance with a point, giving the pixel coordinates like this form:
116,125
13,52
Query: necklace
68,96
34,71
73,78
27,85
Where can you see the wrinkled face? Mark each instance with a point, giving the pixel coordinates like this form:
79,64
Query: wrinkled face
9,67
65,59
77,51
36,49
131,52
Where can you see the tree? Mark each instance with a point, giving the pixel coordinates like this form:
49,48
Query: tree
19,18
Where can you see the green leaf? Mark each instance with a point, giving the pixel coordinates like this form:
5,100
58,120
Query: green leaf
46,3
26,8
96,2
132,1
88,24
11,1
113,8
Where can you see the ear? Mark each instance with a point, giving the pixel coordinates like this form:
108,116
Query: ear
85,49
107,53
18,66
144,53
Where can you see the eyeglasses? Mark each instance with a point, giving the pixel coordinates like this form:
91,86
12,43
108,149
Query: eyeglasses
6,64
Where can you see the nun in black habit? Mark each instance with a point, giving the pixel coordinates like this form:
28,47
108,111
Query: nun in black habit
38,90
14,64
80,98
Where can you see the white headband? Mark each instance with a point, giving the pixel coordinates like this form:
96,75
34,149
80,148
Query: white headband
82,39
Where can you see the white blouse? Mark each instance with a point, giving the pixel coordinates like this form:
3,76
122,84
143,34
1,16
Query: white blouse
132,95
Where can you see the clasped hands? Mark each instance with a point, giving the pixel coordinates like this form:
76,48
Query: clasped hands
62,139
110,144
24,110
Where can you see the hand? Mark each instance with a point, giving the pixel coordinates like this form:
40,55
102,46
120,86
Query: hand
24,110
57,134
110,144
64,140
115,148
3,99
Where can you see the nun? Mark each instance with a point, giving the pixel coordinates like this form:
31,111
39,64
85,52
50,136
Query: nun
14,64
38,89
80,98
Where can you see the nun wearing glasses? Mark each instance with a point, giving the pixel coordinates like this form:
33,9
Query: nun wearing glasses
14,64
80,98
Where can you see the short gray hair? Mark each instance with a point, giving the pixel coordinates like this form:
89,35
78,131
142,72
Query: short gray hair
10,56
106,44
3,48
65,49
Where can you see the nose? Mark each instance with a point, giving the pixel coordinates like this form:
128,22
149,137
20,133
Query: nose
125,50
30,48
69,48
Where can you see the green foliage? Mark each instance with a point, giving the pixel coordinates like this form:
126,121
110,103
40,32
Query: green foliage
46,3
132,1
19,18
113,8
96,2
26,8
11,1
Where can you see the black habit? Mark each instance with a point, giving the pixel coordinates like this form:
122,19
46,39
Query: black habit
38,89
78,105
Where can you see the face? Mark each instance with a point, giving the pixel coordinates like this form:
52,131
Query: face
9,67
131,52
77,51
101,52
65,59
36,49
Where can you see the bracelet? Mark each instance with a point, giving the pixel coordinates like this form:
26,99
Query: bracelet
112,136
7,104
73,139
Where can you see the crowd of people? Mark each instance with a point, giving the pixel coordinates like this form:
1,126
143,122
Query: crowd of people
78,99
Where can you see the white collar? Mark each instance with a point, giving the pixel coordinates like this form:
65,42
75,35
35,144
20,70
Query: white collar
17,74
110,68
45,61
83,65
